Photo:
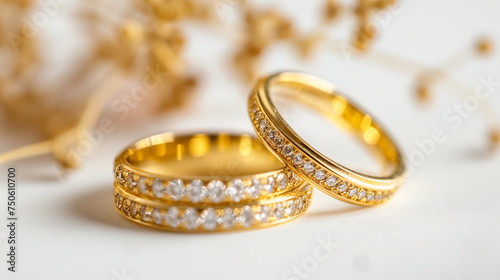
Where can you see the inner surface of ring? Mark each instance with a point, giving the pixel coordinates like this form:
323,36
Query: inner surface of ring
345,116
202,156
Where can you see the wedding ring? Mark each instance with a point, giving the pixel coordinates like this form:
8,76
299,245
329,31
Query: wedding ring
321,172
206,182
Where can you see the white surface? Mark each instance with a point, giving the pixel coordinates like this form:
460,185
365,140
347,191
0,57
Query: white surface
444,223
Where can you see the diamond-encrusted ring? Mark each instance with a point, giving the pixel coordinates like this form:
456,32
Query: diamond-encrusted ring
197,217
206,182
321,172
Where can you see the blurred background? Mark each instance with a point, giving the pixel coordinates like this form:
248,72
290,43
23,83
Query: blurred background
80,80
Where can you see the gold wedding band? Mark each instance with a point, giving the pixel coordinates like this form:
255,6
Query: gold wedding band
321,172
202,182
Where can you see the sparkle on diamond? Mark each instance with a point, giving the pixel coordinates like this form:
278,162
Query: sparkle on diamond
265,212
196,191
158,188
297,159
269,186
145,214
309,167
190,218
229,219
246,216
369,197
320,174
172,217
331,181
280,211
209,218
352,192
342,187
175,189
215,191
288,150
141,185
361,194
157,216
235,190
130,181
282,181
255,189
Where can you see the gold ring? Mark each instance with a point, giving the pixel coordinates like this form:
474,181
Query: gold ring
323,173
202,182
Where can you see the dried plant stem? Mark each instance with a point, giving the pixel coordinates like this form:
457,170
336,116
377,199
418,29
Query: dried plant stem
59,144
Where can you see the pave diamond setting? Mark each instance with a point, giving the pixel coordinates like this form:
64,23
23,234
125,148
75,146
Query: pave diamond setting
196,191
187,218
209,219
158,188
215,191
306,167
235,190
175,189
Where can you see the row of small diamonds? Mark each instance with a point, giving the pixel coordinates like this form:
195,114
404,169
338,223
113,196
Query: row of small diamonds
306,167
210,218
215,191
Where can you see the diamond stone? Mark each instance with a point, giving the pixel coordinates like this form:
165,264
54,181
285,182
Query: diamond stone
331,181
282,181
141,185
229,219
290,210
361,194
300,203
172,217
319,174
265,212
196,191
269,186
255,189
308,167
294,178
215,191
118,200
253,105
378,197
209,218
134,209
263,125
119,174
288,150
145,214
352,192
342,187
297,159
126,205
369,197
278,141
130,181
271,134
157,216
158,188
190,218
246,216
258,116
175,189
235,190
279,211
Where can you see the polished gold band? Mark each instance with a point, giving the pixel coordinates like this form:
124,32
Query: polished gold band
206,183
321,172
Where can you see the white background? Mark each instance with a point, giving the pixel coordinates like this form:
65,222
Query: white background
444,223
